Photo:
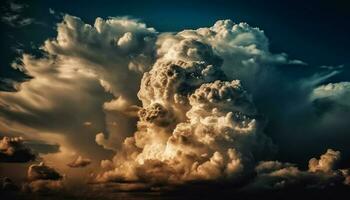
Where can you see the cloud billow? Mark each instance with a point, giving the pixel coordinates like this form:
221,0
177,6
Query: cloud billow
174,108
42,178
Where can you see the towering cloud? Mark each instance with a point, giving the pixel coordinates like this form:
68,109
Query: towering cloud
244,51
195,122
173,107
99,65
198,123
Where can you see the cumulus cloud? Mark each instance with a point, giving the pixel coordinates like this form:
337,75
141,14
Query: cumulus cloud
13,150
243,49
326,163
83,63
174,107
195,122
43,178
245,55
79,162
128,48
336,92
42,172
321,174
331,104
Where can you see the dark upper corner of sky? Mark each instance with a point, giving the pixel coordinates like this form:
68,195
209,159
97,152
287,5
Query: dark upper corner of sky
313,31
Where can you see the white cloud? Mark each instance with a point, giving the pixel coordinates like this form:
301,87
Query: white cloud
339,92
321,174
195,123
66,91
172,106
243,49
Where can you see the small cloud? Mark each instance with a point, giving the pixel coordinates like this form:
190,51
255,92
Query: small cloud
10,19
43,172
335,91
326,163
12,16
321,173
9,85
16,7
52,11
331,67
87,123
43,178
17,21
13,150
297,62
79,162
25,21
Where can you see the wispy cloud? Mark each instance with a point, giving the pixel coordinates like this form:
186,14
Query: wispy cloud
17,7
52,11
12,15
332,67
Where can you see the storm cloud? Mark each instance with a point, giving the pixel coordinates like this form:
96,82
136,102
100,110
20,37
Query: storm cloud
42,178
201,105
13,150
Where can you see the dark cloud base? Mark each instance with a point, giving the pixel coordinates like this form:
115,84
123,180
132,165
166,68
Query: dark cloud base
13,150
192,193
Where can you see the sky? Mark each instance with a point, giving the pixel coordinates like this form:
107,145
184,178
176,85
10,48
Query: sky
157,97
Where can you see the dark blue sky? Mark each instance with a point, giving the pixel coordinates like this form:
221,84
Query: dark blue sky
313,31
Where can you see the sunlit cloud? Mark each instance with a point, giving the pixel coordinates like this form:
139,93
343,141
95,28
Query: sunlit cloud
131,108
